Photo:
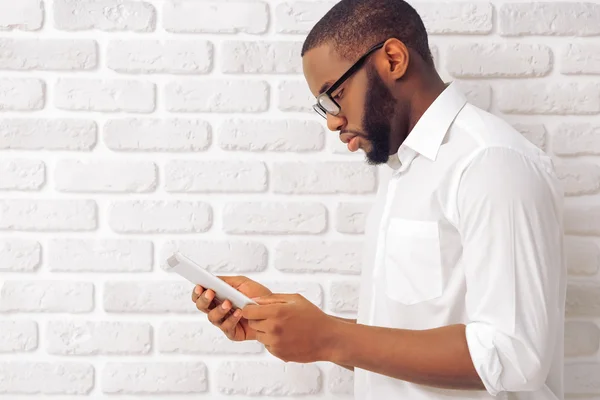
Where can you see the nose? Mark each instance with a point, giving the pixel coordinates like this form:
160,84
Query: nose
335,122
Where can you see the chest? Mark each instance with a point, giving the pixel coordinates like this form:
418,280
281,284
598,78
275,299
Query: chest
417,247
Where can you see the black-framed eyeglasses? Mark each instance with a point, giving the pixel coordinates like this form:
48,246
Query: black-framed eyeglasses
325,102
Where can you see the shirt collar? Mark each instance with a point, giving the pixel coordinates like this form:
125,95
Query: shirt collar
428,133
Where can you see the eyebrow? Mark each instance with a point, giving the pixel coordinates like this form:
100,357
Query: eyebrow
325,86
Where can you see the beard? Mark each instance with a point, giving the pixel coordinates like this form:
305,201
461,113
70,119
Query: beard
378,112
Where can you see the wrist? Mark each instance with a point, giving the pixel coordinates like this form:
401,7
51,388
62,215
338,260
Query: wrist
334,337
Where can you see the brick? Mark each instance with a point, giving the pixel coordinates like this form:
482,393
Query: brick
551,19
217,96
582,378
111,95
535,133
18,336
191,176
22,94
48,134
288,135
149,297
100,255
47,296
48,215
478,94
580,59
46,378
583,220
571,139
48,54
251,17
97,337
341,381
22,174
263,57
159,216
186,337
344,297
222,256
313,292
351,217
330,177
579,178
153,134
104,15
160,56
583,256
456,17
24,15
313,256
154,378
545,98
295,96
264,378
298,17
583,300
498,60
278,218
582,338
105,175
20,255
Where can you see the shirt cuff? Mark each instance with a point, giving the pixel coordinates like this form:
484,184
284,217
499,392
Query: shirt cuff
480,341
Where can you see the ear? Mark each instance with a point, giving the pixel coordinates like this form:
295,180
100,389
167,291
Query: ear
397,58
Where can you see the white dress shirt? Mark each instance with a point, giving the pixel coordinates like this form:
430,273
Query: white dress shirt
467,229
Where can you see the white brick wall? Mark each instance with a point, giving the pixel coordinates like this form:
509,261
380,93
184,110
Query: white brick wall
131,128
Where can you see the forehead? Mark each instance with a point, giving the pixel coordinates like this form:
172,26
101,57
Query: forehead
321,66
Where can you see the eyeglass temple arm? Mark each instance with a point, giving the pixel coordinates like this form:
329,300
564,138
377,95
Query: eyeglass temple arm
353,68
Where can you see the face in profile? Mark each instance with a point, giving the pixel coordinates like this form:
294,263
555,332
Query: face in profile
359,105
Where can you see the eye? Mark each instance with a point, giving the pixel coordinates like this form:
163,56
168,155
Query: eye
339,95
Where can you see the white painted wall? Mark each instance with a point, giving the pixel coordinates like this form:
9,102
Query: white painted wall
131,128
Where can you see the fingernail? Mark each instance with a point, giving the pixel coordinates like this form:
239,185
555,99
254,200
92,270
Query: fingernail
237,313
206,294
224,306
197,289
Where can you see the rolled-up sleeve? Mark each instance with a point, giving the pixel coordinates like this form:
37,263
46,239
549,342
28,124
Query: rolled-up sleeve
510,219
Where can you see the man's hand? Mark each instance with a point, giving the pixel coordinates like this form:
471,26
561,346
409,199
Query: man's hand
291,327
221,315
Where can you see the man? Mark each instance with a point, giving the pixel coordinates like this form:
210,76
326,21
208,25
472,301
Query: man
463,287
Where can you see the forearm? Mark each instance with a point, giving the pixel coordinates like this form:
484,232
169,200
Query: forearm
350,321
436,357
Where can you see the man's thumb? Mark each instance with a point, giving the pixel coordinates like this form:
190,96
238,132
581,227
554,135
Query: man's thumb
271,299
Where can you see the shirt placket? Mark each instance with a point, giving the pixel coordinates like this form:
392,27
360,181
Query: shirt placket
407,156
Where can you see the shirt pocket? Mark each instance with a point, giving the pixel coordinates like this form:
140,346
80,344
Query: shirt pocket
412,261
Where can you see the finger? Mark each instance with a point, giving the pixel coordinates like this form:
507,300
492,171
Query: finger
229,325
274,298
203,302
197,292
258,325
216,315
257,312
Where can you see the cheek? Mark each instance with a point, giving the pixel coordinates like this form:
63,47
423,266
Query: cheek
354,112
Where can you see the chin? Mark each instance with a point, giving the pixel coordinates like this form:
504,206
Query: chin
371,160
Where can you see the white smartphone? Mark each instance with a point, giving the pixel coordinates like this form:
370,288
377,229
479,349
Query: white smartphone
194,273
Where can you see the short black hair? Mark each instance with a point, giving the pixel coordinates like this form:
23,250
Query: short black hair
353,26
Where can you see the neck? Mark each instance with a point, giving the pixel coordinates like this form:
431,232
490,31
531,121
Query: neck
425,93
425,88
